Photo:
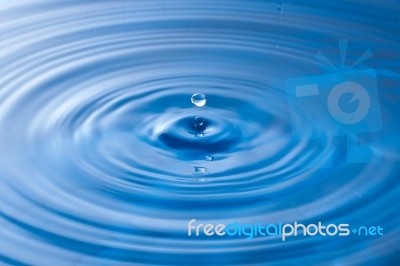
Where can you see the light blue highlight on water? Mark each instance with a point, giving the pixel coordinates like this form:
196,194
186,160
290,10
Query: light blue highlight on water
307,90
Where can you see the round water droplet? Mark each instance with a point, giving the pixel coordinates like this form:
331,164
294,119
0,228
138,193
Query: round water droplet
199,99
209,158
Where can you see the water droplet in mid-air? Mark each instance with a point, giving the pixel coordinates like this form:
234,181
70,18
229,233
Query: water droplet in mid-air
198,170
209,158
199,99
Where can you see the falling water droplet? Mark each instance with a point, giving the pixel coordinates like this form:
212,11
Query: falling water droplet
199,99
209,158
198,170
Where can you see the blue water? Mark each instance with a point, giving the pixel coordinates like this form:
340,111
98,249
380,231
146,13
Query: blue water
104,159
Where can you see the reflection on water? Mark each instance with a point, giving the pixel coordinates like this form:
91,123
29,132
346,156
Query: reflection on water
107,151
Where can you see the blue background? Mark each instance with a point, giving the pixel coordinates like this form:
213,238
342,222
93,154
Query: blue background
101,162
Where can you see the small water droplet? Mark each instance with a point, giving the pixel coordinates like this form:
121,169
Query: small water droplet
199,99
209,158
200,124
198,170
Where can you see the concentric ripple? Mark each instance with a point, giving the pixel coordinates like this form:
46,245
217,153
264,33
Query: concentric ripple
104,157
